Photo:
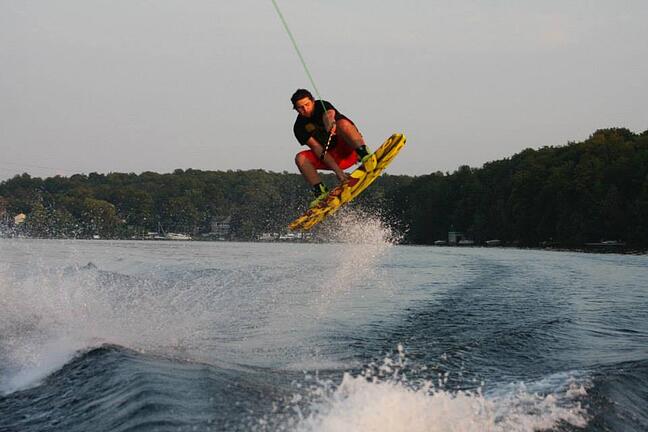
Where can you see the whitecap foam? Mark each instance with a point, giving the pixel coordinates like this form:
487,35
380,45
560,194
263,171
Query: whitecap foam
380,398
45,319
36,363
50,316
361,405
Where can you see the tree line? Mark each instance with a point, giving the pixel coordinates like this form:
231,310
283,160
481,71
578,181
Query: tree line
568,195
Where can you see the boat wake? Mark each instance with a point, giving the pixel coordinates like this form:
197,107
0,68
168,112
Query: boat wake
382,398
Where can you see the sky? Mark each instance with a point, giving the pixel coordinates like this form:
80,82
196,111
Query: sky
156,85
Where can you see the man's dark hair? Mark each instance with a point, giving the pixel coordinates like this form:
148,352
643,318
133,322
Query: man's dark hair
300,94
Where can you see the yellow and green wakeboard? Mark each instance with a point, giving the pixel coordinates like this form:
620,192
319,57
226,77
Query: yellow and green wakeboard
359,180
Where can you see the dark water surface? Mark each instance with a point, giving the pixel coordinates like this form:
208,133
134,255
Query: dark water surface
163,336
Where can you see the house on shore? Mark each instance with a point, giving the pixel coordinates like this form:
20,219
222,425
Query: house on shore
221,228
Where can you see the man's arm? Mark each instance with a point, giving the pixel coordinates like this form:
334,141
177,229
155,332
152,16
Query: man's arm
317,148
329,120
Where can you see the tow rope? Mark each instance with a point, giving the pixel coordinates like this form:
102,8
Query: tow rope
303,62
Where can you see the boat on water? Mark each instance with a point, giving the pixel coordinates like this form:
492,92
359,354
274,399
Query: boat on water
176,236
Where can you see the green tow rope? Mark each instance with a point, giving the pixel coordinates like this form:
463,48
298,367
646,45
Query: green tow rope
303,62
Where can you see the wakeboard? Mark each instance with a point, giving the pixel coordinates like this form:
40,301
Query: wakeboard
359,180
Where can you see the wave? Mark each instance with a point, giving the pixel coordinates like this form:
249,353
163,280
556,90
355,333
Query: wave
115,388
619,397
385,397
261,344
244,312
361,405
382,398
50,316
112,388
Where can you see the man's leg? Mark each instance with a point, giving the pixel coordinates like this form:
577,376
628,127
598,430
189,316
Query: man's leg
308,165
349,133
307,169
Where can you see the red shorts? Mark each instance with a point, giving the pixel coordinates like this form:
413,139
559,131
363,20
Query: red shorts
342,153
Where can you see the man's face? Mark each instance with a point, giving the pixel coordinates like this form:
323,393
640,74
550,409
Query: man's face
305,106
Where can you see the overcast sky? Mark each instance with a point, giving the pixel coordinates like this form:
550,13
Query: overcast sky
135,85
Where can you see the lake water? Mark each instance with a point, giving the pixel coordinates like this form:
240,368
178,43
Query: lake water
360,335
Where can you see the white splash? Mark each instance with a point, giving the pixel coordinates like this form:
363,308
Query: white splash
361,405
381,399
52,315
363,240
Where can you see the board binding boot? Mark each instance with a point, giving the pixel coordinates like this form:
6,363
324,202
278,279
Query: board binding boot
320,192
369,162
366,159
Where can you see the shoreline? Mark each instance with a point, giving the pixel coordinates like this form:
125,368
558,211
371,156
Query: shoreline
598,249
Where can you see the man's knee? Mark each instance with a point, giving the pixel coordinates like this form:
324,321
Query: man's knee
350,133
348,129
344,124
301,159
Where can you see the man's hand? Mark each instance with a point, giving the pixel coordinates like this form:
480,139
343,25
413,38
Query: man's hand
329,121
342,176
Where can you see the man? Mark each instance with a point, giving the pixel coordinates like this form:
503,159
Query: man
319,123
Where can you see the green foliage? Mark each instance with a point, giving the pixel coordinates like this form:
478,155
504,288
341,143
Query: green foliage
572,194
581,192
100,218
120,205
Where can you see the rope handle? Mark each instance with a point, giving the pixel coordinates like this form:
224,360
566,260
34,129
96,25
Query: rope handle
328,143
